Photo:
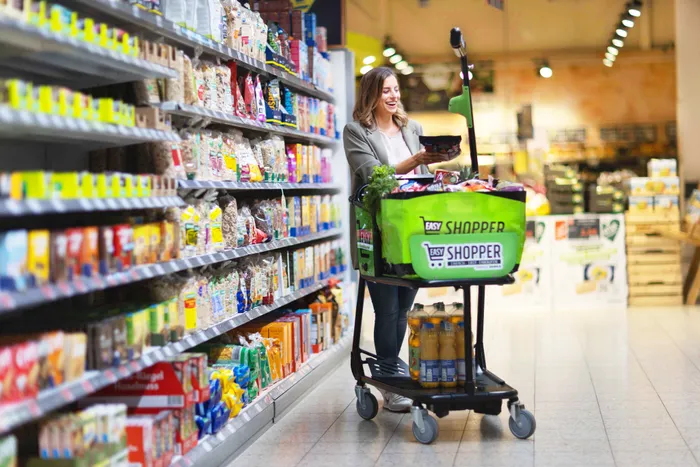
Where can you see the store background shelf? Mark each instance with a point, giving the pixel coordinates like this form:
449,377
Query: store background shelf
214,116
40,53
24,412
216,449
13,301
33,207
17,124
245,186
157,26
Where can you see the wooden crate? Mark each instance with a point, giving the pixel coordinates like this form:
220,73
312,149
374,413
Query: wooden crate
656,301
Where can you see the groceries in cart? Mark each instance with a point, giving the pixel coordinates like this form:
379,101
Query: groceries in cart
436,345
448,181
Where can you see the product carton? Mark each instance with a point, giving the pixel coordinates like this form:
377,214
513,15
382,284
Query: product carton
296,340
662,168
666,203
641,204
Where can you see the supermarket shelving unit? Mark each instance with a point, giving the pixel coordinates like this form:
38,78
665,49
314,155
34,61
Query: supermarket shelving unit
49,58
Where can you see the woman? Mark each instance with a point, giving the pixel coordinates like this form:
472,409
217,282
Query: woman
382,134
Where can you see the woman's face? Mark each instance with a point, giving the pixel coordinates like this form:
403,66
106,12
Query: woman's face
390,97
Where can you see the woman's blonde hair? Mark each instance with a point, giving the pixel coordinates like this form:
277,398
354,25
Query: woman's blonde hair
371,86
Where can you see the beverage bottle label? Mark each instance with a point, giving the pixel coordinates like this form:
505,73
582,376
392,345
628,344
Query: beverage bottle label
430,371
414,358
461,369
448,370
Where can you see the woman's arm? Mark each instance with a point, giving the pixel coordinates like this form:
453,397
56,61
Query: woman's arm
359,153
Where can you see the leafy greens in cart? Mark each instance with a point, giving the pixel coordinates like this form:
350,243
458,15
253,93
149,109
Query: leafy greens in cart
381,182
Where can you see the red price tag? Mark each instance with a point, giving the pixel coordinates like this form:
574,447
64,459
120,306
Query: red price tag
87,386
67,395
123,371
64,288
134,366
6,301
110,376
34,408
79,284
48,292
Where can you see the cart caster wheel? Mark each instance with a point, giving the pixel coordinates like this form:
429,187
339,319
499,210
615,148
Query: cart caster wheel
430,430
525,426
369,409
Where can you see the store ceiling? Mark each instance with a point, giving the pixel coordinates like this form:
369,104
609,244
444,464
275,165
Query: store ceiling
526,25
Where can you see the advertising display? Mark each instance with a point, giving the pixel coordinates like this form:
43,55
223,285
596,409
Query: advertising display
589,265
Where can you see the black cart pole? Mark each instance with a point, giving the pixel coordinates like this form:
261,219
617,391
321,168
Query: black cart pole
468,355
460,49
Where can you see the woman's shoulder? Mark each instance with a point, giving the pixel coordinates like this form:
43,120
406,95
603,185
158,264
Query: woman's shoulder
354,126
414,126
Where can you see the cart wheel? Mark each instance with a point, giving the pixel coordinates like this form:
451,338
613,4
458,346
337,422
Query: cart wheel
525,426
370,408
430,431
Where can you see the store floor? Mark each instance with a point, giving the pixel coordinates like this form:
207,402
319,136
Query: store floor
608,388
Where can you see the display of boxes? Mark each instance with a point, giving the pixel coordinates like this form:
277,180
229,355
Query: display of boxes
662,168
648,186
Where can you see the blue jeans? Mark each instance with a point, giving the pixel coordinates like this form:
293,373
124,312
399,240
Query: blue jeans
391,306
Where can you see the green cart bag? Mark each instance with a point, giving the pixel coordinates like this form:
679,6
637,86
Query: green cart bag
456,235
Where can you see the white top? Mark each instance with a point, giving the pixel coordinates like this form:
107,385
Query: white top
396,148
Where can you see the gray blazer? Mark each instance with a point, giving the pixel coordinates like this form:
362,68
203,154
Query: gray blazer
364,149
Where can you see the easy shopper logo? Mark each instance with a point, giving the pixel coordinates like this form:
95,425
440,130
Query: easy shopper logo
479,256
431,227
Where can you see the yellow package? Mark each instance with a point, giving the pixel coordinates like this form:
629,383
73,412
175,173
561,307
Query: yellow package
155,244
36,184
17,93
84,29
65,185
141,240
144,186
61,20
87,185
38,256
306,211
128,115
109,111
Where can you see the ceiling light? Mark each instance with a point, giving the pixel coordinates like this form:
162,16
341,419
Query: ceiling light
627,20
610,56
407,71
369,60
471,75
613,50
389,51
635,8
621,32
618,42
401,65
395,59
544,70
365,69
607,63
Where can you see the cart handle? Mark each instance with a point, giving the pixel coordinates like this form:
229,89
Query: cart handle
462,104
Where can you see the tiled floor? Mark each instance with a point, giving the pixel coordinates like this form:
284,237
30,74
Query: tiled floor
608,388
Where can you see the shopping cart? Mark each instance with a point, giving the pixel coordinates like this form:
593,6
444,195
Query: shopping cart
483,392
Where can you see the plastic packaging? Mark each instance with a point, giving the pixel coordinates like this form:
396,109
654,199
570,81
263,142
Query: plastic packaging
415,320
429,356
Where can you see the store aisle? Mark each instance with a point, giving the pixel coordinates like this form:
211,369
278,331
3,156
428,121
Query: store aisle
608,388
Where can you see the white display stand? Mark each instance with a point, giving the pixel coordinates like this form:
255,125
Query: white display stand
588,262
532,290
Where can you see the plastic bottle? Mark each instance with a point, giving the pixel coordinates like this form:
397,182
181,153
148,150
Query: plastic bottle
415,319
448,355
429,356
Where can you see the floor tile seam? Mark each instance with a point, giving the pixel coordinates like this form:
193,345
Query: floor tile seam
697,461
600,411
324,433
675,343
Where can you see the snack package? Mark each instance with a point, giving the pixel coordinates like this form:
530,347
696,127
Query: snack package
209,17
229,221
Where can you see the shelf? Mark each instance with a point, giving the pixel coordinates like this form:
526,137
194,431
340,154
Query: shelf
34,207
27,411
46,56
215,449
246,186
157,26
13,301
221,118
21,124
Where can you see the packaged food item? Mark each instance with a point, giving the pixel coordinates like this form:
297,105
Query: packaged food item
429,356
123,237
209,16
38,256
8,451
13,260
641,203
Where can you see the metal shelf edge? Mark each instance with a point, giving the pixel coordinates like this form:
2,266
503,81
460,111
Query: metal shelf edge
193,111
12,301
15,208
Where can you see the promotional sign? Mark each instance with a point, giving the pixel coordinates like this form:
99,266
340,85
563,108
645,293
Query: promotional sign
589,265
532,290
